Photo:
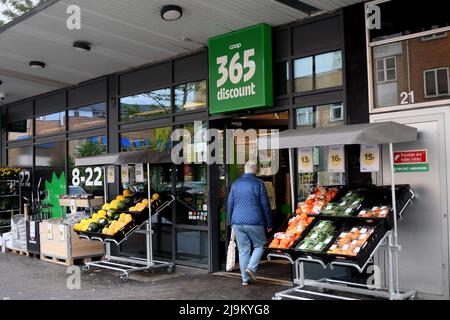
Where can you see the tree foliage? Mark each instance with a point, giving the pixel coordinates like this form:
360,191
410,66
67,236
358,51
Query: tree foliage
11,9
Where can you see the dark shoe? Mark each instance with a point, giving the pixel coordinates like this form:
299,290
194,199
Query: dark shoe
251,275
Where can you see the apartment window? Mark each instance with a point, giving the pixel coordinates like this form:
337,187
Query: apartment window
336,112
386,70
436,83
87,117
305,117
318,72
50,124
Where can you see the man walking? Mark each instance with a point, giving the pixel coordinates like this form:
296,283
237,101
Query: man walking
250,215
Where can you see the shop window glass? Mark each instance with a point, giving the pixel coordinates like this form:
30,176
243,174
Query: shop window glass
82,148
50,124
303,72
50,177
331,115
20,130
328,70
192,246
192,195
282,79
20,157
190,96
157,139
146,105
88,117
411,71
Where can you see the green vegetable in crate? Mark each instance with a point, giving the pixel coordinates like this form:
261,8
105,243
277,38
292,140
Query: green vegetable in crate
348,205
93,227
318,238
102,222
121,206
111,213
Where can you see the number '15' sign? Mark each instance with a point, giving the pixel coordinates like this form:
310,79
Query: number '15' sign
91,177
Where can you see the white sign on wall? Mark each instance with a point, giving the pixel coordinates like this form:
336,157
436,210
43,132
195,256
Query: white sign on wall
336,159
125,173
305,160
370,158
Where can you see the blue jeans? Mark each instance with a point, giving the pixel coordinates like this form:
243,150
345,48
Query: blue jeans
245,236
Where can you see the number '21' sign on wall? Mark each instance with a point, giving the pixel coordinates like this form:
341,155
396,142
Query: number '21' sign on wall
240,70
91,177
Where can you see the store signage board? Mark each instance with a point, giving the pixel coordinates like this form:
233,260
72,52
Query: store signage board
240,70
305,160
336,159
370,158
411,161
139,169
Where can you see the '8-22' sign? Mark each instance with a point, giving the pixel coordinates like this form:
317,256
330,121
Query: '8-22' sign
240,65
90,177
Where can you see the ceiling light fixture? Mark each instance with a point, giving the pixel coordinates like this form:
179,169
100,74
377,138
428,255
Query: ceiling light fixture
171,12
37,65
82,46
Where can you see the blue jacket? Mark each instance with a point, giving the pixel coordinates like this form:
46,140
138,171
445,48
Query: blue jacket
248,203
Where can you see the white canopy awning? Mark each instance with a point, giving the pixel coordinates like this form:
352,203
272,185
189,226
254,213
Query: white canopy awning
370,133
144,156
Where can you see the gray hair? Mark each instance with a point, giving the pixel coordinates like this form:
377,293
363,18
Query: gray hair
251,167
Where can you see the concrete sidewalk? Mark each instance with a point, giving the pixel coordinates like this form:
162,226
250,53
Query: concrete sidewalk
27,278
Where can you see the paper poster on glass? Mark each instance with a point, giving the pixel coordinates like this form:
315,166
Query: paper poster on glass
305,160
370,158
336,159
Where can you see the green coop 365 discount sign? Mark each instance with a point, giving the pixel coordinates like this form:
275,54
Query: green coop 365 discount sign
240,70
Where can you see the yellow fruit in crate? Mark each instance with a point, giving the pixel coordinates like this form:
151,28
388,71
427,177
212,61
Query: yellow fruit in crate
126,193
102,213
113,204
128,218
95,216
105,231
155,197
120,198
105,207
145,202
110,232
132,209
84,228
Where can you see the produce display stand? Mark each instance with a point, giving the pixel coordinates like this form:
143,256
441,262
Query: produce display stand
127,265
363,134
7,213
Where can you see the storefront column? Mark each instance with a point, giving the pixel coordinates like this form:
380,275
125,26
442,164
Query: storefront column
113,129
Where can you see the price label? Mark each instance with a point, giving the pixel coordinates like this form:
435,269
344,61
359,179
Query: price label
124,173
111,175
49,231
336,159
139,168
370,158
305,160
62,232
32,230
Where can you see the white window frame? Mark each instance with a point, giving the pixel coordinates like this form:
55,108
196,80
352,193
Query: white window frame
385,69
332,108
437,95
434,36
308,114
370,61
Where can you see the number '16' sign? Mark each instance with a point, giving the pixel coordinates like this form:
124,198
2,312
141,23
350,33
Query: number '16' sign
93,178
235,70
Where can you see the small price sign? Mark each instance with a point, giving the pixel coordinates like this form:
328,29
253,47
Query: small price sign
125,173
139,170
370,158
305,159
336,159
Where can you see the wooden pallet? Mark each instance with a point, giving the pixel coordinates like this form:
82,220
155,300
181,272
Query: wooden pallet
69,261
23,253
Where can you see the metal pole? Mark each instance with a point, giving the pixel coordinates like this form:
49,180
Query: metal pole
105,183
394,211
292,174
149,223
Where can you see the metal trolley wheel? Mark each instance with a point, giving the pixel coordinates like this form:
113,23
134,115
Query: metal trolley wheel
86,268
124,277
171,269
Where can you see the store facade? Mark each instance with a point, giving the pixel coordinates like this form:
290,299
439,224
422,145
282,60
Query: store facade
318,81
